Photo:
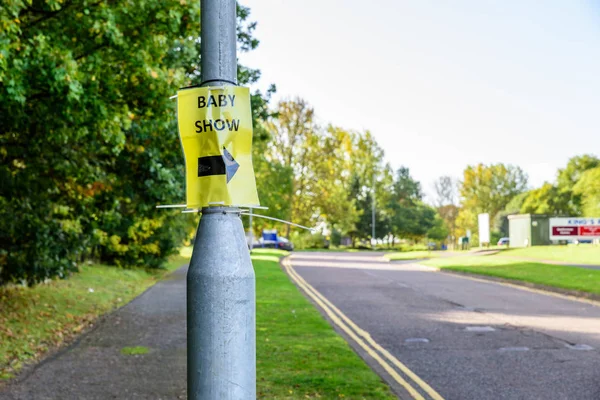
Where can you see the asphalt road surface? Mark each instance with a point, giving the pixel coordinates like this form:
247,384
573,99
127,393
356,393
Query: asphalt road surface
435,335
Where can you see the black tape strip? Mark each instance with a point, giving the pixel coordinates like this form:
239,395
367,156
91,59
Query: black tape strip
211,165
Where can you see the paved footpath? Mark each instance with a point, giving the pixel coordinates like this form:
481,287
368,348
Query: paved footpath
94,368
464,338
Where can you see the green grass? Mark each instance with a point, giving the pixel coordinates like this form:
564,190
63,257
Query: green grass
35,320
134,351
270,252
563,277
582,254
299,355
413,255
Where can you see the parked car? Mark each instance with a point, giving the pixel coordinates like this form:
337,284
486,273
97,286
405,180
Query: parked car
281,243
504,241
580,241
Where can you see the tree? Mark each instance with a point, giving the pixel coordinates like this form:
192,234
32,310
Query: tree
487,189
292,131
88,142
410,217
588,191
448,214
547,199
569,176
370,181
406,189
576,167
445,190
438,230
500,224
331,184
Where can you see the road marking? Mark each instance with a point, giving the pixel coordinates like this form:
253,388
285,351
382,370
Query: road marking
416,340
479,329
580,347
509,349
347,325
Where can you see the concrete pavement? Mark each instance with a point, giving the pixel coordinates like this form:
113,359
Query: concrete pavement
464,337
93,368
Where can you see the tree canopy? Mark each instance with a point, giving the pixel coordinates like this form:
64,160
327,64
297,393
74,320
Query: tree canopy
88,135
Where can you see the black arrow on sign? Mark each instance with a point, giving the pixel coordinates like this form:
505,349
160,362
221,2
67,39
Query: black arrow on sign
218,165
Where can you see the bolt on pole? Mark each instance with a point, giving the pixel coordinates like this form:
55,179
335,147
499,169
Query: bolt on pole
221,305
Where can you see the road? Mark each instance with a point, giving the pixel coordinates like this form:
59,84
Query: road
435,335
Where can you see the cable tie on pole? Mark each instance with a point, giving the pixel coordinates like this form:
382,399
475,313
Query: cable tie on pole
171,206
279,220
251,207
218,80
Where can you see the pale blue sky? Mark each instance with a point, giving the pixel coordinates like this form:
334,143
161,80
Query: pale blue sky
442,84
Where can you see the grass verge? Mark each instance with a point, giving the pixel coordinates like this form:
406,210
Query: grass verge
562,277
36,320
581,254
299,355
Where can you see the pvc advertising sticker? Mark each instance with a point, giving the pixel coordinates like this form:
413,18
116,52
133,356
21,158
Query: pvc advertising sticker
574,228
215,127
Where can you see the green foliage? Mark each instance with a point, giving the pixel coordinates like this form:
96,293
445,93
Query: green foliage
336,238
306,240
587,189
331,178
449,213
547,199
575,193
409,217
88,136
569,177
370,182
316,176
438,230
487,189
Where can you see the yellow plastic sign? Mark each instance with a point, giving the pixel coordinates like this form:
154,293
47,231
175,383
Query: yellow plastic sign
215,127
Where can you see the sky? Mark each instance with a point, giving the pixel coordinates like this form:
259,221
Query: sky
442,84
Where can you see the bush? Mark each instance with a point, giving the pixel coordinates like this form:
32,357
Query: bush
38,244
412,247
495,236
336,238
306,240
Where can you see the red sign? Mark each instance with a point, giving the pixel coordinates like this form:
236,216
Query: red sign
564,231
590,230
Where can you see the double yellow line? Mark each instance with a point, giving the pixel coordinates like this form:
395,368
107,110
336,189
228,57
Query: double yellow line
364,340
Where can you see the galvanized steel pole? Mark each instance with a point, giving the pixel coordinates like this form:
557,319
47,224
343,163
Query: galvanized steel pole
221,306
